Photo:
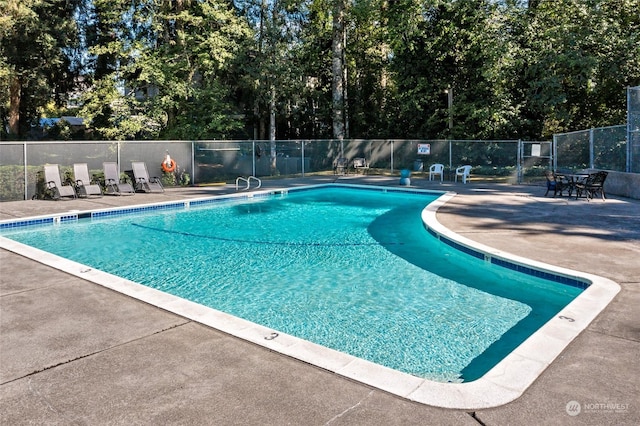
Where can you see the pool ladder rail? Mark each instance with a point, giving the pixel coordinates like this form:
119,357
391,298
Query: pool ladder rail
248,181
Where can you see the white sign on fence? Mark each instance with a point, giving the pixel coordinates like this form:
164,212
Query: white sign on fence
535,150
424,149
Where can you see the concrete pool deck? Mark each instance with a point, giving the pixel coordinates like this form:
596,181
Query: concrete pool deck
77,353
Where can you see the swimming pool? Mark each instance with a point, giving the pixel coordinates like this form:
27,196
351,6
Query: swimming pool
336,240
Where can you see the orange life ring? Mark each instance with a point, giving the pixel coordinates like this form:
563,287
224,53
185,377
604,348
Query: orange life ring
170,168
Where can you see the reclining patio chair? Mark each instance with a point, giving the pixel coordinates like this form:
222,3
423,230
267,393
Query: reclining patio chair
592,185
143,182
53,183
112,183
84,185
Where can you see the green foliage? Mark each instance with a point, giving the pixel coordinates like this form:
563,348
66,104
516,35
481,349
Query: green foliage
38,46
177,64
578,58
212,69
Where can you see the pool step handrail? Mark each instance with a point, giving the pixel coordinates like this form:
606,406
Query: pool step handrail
248,181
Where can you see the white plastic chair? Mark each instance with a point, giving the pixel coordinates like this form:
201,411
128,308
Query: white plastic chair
436,169
463,172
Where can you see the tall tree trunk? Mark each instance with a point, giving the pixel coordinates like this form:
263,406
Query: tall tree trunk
272,130
15,95
337,86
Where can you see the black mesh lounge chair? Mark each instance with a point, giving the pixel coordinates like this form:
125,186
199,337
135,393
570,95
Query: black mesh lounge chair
112,183
85,187
53,184
592,185
555,184
143,182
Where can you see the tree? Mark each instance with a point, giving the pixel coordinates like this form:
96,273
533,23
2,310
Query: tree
338,88
38,47
465,45
578,58
174,65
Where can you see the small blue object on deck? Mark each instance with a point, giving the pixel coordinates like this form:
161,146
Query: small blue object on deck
404,177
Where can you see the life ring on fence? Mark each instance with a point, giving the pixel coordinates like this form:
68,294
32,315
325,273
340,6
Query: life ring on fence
169,166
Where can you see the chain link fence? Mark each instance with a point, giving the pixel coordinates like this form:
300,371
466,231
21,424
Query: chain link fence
601,148
205,162
615,148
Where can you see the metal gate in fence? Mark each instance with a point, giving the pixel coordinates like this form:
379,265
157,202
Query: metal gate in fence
533,156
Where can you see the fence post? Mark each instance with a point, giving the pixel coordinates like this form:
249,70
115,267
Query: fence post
554,152
391,155
118,158
193,162
26,176
519,155
253,157
591,149
302,154
629,138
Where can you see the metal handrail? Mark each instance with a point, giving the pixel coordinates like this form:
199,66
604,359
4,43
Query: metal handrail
248,180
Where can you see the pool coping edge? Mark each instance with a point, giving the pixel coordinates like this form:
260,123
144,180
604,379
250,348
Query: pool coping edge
502,384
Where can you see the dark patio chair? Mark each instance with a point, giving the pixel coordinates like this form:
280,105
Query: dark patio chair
340,166
555,183
592,186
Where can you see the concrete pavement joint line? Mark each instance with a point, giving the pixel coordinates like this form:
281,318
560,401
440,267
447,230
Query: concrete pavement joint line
615,336
475,417
350,408
69,361
28,290
502,384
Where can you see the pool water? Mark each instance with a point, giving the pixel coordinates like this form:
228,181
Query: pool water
349,269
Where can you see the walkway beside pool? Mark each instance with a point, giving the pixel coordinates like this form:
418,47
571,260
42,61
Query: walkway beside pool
72,352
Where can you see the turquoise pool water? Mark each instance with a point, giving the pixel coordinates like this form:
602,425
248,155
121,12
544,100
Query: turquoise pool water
350,269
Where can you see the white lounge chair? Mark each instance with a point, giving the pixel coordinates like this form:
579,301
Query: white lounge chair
360,163
143,182
112,183
84,186
53,183
463,172
436,169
